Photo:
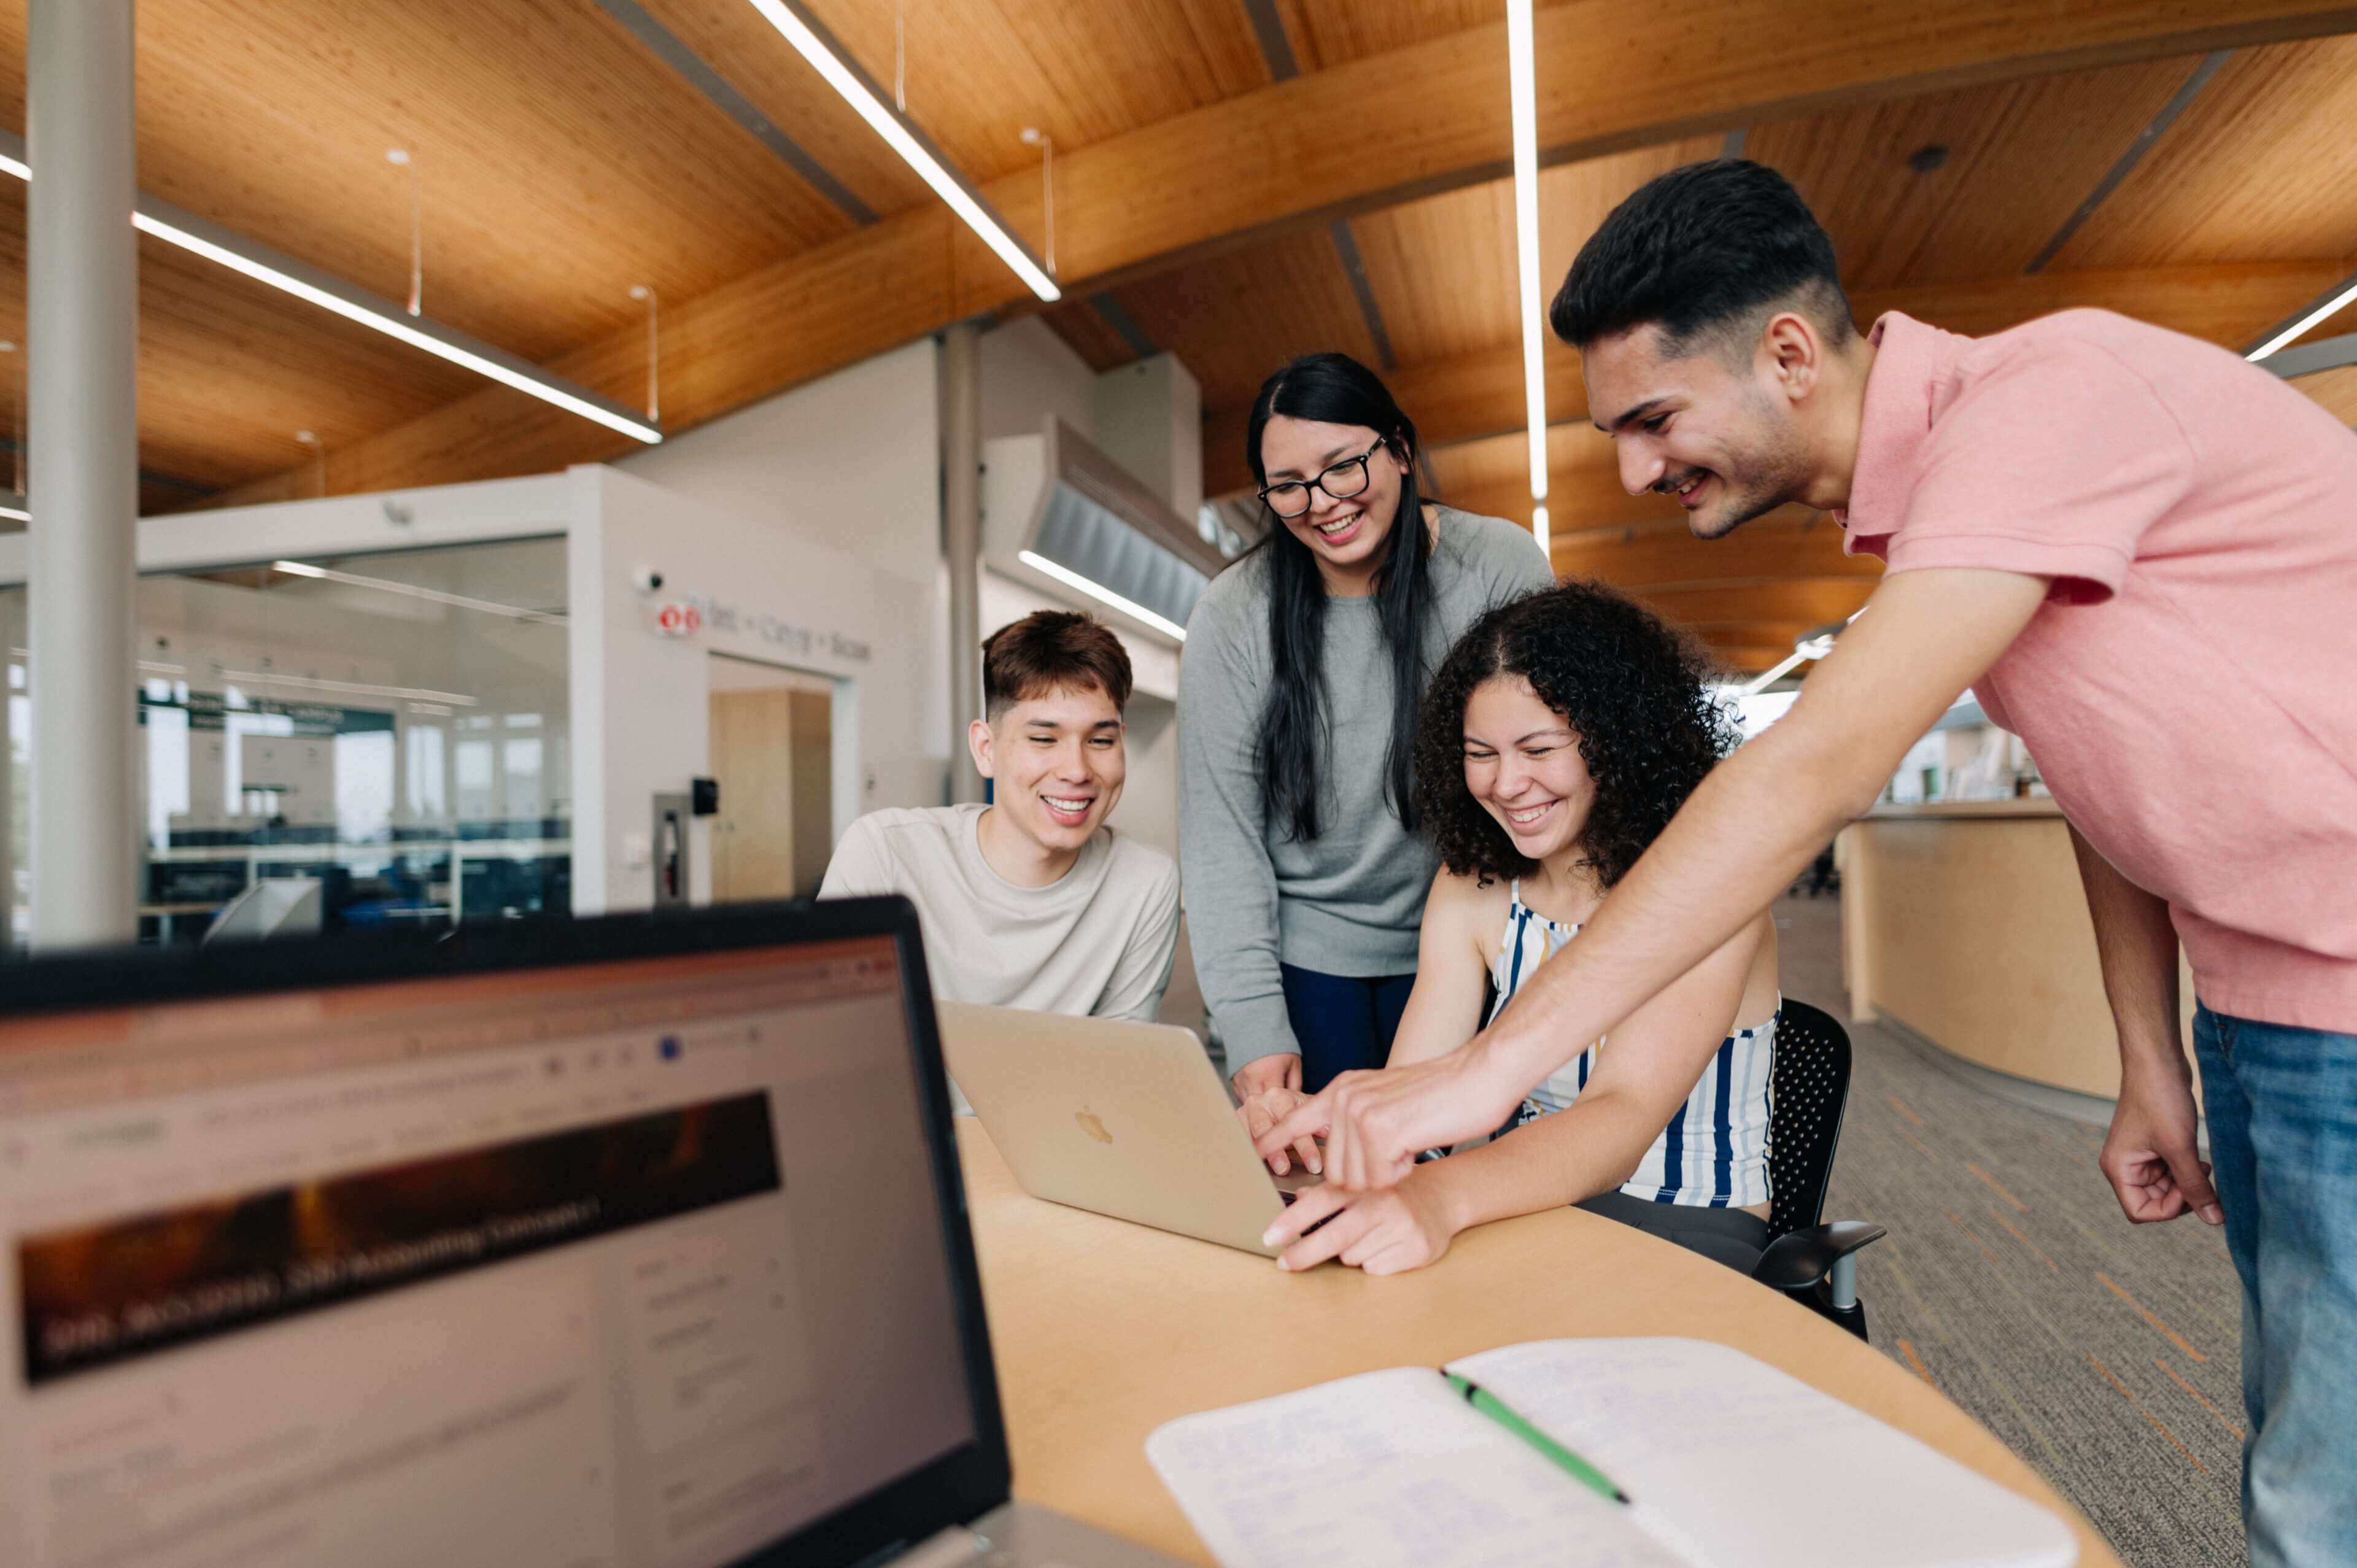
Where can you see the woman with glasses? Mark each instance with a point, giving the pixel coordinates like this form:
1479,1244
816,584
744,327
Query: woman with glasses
1304,875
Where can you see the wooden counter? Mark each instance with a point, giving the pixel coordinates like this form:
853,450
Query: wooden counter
1965,922
1102,1330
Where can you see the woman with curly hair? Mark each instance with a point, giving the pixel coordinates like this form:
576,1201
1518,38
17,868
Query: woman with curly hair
1555,743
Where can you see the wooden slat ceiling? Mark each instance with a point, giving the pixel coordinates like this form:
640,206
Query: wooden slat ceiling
980,70
561,162
1949,244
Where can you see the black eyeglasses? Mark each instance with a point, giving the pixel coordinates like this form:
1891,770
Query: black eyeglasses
1343,480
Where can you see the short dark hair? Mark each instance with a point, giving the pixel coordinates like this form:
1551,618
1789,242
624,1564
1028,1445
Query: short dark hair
1700,252
1633,688
1049,651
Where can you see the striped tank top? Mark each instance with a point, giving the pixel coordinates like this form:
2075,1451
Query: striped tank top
1714,1153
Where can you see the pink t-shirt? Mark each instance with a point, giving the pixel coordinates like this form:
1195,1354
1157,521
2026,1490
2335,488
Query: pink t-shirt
2189,687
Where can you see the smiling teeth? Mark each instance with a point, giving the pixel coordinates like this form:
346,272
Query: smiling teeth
1532,815
1073,806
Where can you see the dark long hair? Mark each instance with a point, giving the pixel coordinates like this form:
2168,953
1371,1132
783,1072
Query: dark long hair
1635,690
1290,744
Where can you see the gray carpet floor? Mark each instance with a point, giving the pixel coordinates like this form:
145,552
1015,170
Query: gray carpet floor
2105,1354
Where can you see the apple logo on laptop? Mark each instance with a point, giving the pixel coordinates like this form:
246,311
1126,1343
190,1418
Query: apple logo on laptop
1092,1125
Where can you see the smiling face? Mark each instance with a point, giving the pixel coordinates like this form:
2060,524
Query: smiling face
1717,433
1349,538
1056,765
1523,765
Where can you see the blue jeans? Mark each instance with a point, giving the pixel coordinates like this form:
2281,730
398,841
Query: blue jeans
1342,1021
2282,1108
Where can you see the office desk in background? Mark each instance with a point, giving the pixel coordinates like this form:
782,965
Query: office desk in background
1102,1330
1963,923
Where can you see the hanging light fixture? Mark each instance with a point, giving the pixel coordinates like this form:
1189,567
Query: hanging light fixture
833,62
307,283
1522,97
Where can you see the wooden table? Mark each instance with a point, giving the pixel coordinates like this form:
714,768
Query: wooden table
1102,1330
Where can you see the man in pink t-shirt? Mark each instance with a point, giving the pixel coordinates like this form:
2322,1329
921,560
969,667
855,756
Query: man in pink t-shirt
2140,553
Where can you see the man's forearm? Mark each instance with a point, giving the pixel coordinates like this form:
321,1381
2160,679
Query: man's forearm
2137,945
1740,841
1767,811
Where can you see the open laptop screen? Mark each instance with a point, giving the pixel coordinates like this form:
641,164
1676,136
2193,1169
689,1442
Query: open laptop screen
632,1265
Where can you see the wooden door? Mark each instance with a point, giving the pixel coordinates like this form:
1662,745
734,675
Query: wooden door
814,804
753,749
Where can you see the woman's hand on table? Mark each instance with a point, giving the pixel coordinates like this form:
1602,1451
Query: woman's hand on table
1376,1123
1265,1110
1388,1230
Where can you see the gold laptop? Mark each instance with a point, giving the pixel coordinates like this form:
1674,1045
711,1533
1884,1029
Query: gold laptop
1129,1120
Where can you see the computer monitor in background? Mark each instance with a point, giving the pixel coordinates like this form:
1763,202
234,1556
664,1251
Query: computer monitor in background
628,1243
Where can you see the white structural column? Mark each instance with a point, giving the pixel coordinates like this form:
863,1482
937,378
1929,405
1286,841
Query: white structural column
81,335
962,531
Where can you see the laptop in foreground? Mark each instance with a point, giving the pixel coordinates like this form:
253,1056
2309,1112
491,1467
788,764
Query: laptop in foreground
1129,1120
619,1243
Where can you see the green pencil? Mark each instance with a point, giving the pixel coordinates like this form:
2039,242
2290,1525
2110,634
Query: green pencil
1571,1464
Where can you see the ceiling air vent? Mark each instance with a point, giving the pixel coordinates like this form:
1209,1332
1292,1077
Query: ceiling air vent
1063,515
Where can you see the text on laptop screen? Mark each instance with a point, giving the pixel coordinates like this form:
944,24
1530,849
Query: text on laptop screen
628,1265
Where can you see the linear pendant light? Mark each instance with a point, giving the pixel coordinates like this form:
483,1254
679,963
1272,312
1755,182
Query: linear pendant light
1521,80
2300,329
1101,594
832,60
417,591
307,283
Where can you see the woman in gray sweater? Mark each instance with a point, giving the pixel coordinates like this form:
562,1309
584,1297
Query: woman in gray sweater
1302,874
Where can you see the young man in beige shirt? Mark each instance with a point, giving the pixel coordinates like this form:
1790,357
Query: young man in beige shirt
1033,901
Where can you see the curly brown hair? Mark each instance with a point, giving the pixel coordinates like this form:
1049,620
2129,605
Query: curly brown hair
1632,688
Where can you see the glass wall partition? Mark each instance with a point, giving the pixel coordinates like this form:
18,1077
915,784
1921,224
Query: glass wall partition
393,724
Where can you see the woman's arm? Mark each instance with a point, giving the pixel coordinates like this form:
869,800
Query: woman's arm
1452,970
1645,1072
1231,887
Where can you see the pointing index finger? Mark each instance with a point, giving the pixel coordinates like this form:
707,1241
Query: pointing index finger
1305,1121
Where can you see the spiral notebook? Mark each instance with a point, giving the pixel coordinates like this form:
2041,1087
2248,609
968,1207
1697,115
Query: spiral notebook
1727,1462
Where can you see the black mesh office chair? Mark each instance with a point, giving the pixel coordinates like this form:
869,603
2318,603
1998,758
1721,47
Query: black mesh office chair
1816,1264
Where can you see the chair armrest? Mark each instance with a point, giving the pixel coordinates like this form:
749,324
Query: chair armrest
1801,1259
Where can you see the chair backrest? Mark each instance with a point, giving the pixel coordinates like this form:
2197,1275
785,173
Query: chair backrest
1810,1091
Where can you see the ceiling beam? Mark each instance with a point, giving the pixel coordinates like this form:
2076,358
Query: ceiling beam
699,74
874,289
1786,544
2216,302
1612,76
2210,65
2336,390
1748,633
1581,504
1748,660
1480,394
1809,601
1318,147
1462,399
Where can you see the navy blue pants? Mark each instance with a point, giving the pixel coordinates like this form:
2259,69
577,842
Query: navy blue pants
1342,1021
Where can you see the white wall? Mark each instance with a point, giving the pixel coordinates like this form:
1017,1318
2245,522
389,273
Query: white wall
396,520
1028,373
1150,420
639,697
851,462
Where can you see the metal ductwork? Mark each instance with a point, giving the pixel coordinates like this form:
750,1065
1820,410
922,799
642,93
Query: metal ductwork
1056,509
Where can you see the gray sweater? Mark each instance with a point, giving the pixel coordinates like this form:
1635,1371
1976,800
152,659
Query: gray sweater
1349,901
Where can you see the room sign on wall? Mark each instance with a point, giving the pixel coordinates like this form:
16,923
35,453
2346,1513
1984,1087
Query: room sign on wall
782,633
